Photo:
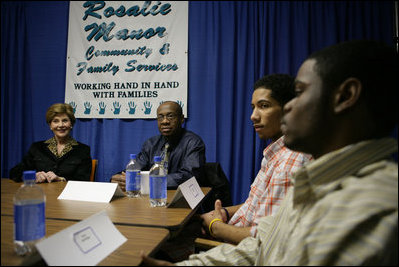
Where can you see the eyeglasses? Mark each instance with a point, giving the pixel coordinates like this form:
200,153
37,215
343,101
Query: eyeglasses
169,117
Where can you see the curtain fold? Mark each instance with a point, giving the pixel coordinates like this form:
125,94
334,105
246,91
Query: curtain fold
16,116
231,45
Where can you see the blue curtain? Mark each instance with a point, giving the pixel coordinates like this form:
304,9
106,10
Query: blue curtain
231,45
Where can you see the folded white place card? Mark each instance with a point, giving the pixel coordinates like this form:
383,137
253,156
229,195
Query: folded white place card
91,191
188,194
85,243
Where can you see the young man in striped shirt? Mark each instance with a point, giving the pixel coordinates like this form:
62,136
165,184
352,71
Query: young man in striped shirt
270,95
343,207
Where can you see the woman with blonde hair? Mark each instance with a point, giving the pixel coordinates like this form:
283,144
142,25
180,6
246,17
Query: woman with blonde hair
59,158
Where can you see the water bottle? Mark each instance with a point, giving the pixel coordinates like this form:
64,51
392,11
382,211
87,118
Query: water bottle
133,181
29,215
158,184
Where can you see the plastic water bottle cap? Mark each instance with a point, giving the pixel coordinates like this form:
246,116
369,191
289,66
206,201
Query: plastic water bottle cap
157,158
132,156
29,175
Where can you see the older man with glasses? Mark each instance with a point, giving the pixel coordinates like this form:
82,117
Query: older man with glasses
182,151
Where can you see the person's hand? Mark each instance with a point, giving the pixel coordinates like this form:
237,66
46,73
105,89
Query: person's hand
120,179
153,262
210,214
41,177
51,177
217,213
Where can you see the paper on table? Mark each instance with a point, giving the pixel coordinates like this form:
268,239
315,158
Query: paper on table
85,243
188,192
90,191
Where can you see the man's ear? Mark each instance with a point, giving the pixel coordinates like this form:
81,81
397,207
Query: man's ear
347,94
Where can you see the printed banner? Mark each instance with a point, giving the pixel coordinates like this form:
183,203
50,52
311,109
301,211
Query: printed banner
125,58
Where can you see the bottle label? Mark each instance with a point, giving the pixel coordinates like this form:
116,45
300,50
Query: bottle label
158,187
29,222
133,181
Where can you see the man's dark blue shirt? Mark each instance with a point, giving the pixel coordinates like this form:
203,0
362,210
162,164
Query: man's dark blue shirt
186,156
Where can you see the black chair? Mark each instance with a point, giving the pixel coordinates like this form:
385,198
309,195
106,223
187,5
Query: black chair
213,176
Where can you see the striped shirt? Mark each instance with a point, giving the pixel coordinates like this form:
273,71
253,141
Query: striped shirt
270,185
342,210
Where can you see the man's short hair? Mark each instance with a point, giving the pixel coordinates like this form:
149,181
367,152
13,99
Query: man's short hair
179,109
281,85
374,64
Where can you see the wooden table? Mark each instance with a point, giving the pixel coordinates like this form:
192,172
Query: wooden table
123,210
145,228
58,209
128,254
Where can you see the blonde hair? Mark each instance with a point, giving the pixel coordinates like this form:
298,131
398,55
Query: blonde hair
60,108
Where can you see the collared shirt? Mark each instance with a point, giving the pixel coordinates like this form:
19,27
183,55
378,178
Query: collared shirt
270,185
186,156
342,210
